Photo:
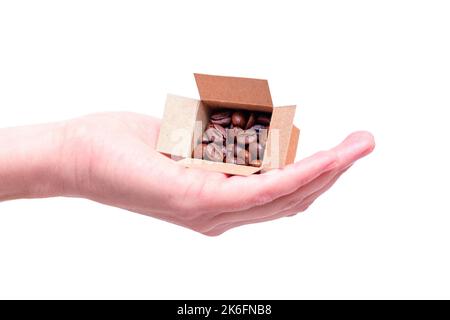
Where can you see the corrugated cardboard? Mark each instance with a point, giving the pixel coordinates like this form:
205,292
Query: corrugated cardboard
293,143
175,135
242,93
223,167
185,120
279,140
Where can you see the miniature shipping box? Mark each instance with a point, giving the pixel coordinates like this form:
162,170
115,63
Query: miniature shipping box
185,120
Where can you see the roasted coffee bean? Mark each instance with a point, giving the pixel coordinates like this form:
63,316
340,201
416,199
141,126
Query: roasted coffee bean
263,119
258,127
233,150
221,129
251,121
230,150
262,136
217,127
238,119
256,163
223,122
205,138
248,136
256,151
261,149
240,148
199,151
253,149
220,115
214,152
224,152
214,135
222,118
247,157
232,135
236,137
242,156
231,160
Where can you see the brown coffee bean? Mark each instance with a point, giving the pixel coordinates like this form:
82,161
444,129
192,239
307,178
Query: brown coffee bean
199,151
205,137
237,137
248,136
247,157
256,151
258,127
221,129
253,149
234,149
224,152
214,135
222,118
263,119
214,152
223,122
256,163
263,136
230,150
238,119
220,114
231,160
242,156
232,134
251,121
261,149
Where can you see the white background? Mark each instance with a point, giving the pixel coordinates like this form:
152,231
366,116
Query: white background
383,66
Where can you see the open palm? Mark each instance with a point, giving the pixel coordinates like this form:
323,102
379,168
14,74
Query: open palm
111,158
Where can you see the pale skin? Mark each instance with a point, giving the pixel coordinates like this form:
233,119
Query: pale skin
111,158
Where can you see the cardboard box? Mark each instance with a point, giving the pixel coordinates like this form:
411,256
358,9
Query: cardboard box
185,120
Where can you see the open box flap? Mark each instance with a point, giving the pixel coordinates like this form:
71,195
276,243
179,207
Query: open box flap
227,168
234,92
175,136
279,139
293,143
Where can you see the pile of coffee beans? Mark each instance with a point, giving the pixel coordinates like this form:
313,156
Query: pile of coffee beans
237,137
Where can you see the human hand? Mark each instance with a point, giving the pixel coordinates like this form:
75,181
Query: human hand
111,158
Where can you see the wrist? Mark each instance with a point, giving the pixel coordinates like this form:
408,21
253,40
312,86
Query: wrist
30,161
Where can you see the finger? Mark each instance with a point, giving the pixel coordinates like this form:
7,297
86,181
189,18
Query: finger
303,205
278,205
356,145
238,193
350,150
285,213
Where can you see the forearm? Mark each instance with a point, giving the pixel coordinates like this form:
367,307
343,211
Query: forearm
30,161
